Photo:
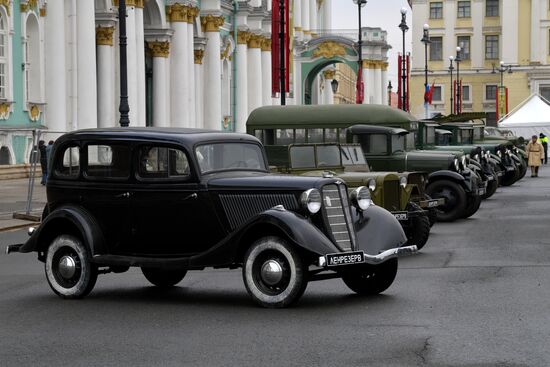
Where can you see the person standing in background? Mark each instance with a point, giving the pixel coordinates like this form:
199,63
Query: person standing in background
43,161
535,152
544,141
48,155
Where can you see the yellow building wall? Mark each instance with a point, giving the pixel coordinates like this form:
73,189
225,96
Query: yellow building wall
524,32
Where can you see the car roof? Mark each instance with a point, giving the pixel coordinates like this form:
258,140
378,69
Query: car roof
186,136
443,131
362,129
327,114
460,125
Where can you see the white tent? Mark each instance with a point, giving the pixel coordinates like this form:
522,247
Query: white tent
530,117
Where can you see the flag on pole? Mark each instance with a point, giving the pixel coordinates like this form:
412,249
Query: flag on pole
407,100
276,48
399,96
359,87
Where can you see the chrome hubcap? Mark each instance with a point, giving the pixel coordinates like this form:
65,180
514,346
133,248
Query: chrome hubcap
67,267
271,272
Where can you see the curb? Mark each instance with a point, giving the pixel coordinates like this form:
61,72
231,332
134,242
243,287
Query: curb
18,226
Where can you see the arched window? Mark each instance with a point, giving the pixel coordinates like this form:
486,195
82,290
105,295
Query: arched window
3,55
32,60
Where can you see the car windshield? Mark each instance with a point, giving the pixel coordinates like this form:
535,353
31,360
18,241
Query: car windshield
328,156
230,156
352,155
467,136
302,156
429,137
444,139
478,133
411,140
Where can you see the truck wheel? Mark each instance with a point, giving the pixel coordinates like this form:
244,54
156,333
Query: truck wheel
69,271
455,199
510,177
163,278
472,206
371,279
273,273
418,230
522,170
492,187
432,212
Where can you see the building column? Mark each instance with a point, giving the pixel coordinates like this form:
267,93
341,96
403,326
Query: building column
56,69
266,71
106,115
536,38
384,86
254,75
160,51
313,16
328,95
212,72
327,14
179,87
140,65
509,22
199,98
366,81
477,54
305,20
241,59
191,15
86,65
376,84
297,14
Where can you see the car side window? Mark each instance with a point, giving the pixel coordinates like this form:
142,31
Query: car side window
374,144
302,156
108,161
162,162
68,164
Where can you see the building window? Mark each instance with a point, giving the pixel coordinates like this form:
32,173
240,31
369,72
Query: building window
491,8
491,47
437,95
436,10
3,56
466,93
436,48
490,92
463,9
32,61
464,43
544,91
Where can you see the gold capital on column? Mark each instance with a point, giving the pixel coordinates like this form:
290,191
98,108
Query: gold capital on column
212,23
266,44
104,36
243,37
199,54
192,13
329,74
138,3
159,49
177,12
255,41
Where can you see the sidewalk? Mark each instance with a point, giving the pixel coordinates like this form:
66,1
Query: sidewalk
13,198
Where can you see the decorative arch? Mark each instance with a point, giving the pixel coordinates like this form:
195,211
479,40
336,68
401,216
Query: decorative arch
153,14
6,155
32,59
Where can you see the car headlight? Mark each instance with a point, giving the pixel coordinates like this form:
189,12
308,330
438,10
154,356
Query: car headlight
371,184
457,166
463,161
476,157
403,181
499,153
311,200
360,198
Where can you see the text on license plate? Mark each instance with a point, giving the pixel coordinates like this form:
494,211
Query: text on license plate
345,258
481,191
432,203
510,168
401,216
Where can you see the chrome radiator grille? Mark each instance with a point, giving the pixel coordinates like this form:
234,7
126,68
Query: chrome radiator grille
239,208
338,216
391,195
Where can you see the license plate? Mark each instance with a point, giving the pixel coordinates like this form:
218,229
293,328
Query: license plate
401,216
490,178
432,203
499,173
510,168
481,191
345,258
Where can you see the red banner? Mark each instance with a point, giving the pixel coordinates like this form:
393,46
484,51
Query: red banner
407,100
359,87
399,67
276,47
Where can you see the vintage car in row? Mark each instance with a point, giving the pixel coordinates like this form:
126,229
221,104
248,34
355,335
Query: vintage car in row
389,190
174,200
449,177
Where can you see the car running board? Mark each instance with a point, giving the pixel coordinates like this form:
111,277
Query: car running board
120,260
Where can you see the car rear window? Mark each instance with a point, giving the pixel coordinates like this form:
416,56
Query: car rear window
108,161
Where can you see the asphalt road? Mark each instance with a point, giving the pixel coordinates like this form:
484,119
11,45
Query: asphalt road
477,295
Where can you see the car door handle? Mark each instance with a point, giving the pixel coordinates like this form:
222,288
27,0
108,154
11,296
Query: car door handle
191,196
124,195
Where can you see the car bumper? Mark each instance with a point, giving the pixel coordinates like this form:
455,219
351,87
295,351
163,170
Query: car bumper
332,261
13,248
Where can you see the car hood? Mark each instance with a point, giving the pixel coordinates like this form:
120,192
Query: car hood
428,160
265,181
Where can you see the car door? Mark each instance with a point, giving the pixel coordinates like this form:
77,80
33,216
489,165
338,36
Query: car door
172,213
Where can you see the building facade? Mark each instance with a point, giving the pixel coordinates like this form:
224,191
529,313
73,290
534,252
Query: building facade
514,32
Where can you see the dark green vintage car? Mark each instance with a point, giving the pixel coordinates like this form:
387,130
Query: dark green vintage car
279,126
389,190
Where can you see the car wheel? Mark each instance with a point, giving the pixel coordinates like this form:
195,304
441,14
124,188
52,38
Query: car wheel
371,279
474,203
455,199
163,278
69,271
273,273
492,187
432,212
418,230
510,177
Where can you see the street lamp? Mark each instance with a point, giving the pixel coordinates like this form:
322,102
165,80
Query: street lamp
426,40
360,4
334,85
389,92
502,69
282,51
451,68
123,107
458,60
404,28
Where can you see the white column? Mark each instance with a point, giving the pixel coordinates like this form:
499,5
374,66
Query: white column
328,95
327,14
509,38
106,114
242,80
366,82
266,71
477,54
536,31
160,52
193,12
297,14
305,20
313,15
179,87
212,73
131,50
140,67
449,41
384,86
199,98
86,60
254,76
376,85
56,69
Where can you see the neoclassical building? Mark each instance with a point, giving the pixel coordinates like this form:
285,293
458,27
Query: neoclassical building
190,64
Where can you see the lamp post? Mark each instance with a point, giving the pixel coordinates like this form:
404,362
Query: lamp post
334,85
282,51
451,68
404,28
360,4
123,108
458,60
389,92
502,69
426,40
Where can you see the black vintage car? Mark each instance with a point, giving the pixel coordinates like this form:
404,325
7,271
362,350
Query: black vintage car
173,200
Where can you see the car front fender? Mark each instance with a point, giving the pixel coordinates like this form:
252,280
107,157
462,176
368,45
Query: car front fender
448,174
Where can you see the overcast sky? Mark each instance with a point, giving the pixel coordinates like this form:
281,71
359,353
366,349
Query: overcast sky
377,13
